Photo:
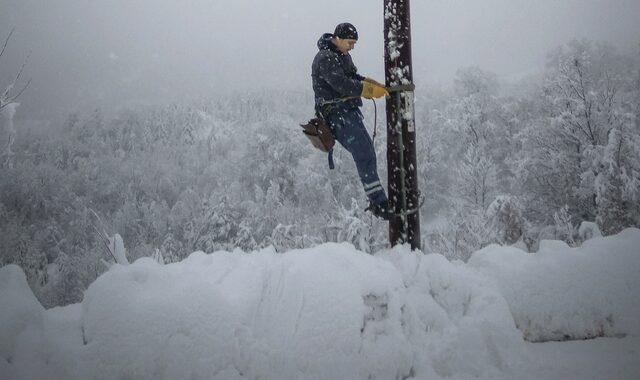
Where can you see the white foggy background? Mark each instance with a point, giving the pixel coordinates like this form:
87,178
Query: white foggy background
122,53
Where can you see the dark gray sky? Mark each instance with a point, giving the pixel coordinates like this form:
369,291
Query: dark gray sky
115,53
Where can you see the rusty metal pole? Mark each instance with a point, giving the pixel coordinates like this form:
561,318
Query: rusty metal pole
401,131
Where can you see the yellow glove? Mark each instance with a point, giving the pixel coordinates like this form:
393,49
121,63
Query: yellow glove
373,90
373,81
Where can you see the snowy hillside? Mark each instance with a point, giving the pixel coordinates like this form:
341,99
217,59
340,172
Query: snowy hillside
332,312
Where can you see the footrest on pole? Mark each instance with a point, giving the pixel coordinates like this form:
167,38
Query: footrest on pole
421,199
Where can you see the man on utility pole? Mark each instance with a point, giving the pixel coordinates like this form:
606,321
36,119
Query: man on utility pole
338,89
404,226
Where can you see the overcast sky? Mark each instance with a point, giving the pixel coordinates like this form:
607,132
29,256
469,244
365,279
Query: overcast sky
112,53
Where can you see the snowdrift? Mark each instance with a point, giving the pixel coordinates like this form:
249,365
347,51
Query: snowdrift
563,293
326,312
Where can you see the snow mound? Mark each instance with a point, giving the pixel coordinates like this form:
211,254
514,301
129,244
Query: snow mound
561,293
326,312
21,311
329,311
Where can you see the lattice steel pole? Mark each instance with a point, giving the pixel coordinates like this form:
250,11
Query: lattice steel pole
401,131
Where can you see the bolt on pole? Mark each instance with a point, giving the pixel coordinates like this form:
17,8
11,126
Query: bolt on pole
401,131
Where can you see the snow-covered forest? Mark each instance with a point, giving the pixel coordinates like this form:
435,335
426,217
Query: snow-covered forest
546,157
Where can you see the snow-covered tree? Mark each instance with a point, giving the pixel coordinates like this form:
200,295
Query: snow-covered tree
353,225
585,97
565,230
475,178
476,92
615,181
244,238
505,220
216,227
172,249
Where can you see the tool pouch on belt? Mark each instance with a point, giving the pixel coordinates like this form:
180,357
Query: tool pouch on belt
319,134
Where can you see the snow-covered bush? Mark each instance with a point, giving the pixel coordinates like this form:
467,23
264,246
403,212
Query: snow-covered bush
588,230
505,219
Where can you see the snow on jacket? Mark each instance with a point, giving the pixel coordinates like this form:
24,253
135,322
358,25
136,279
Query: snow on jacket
334,75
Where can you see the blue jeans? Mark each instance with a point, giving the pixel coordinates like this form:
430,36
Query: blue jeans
349,130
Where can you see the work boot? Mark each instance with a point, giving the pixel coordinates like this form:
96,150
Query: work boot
380,210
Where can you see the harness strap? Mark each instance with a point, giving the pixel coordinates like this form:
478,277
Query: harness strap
324,102
390,89
330,159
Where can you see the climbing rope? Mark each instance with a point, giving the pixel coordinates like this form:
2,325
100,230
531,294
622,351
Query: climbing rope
375,119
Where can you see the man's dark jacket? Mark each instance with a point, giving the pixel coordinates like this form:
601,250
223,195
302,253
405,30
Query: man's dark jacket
334,75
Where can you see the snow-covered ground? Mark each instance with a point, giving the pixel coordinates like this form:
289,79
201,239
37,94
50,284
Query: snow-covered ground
332,312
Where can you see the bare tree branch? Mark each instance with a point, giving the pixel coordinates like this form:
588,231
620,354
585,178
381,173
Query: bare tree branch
6,42
12,99
26,60
5,97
